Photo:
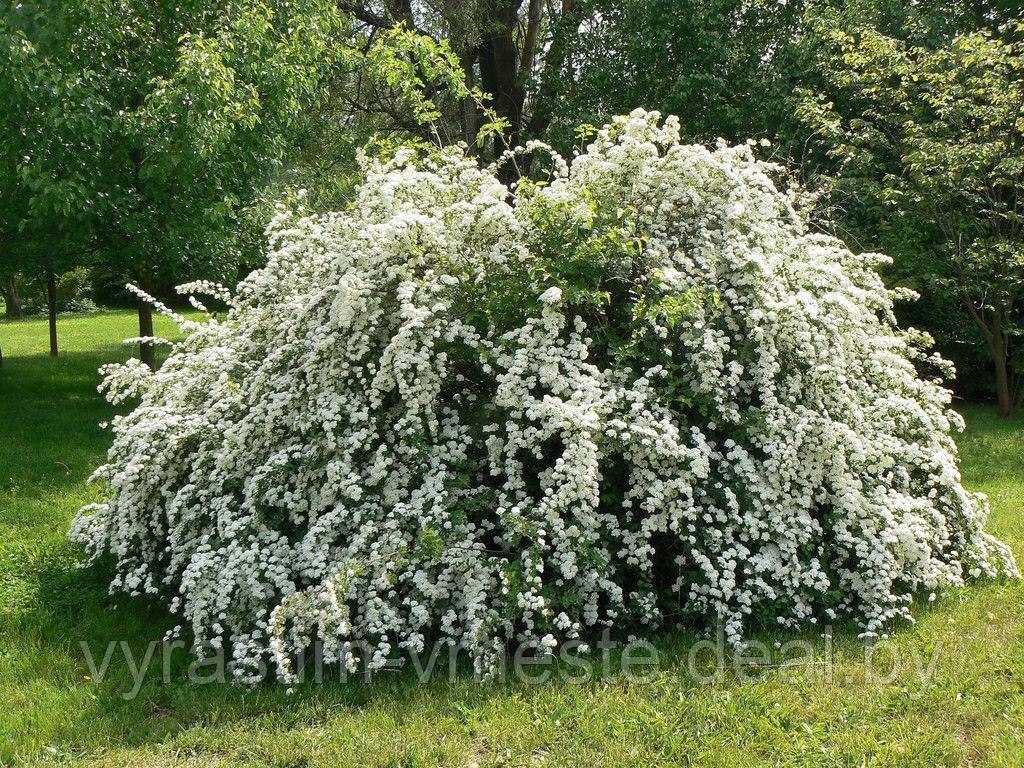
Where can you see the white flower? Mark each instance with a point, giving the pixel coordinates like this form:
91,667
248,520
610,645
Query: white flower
351,456
552,295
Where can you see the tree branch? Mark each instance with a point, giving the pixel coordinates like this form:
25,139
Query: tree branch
365,15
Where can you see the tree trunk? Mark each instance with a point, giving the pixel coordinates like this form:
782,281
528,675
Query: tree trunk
147,351
563,31
499,76
998,345
999,359
51,308
11,297
470,117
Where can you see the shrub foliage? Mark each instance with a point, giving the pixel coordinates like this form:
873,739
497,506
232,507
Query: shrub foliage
641,393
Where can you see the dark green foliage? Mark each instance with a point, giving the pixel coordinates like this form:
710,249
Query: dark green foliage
723,66
923,139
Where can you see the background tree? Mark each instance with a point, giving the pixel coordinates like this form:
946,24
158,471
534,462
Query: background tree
723,66
935,134
163,119
35,240
505,50
14,195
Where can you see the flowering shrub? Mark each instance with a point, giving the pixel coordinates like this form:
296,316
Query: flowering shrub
640,394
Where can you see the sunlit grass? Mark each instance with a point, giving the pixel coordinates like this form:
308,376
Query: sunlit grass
971,712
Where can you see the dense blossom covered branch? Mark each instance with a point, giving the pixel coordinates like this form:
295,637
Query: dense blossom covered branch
639,393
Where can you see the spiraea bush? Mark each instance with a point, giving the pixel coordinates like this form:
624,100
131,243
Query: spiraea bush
639,394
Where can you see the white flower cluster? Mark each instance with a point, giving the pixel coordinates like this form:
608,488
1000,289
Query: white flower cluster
641,394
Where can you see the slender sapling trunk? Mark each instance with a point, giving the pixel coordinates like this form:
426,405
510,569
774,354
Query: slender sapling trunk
51,308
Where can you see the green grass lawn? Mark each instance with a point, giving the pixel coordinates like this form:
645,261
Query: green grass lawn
970,712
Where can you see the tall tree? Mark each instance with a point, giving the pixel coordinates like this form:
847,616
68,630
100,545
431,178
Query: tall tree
14,195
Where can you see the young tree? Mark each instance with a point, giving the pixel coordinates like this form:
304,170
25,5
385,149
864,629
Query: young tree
157,121
32,239
936,133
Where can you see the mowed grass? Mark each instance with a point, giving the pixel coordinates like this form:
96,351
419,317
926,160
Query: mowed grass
968,711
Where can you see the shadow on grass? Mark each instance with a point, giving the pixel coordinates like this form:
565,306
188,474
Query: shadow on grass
73,606
51,419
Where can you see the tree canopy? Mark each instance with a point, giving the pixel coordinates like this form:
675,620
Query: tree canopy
152,141
936,135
